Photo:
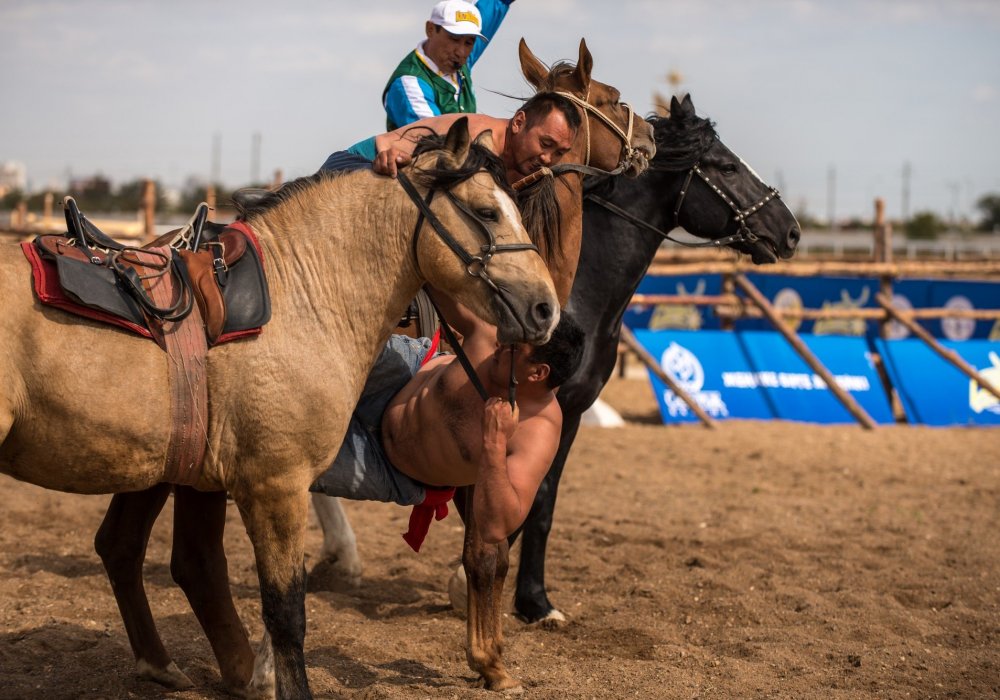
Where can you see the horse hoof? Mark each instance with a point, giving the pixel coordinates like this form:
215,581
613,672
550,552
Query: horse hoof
333,574
171,676
553,621
504,684
458,592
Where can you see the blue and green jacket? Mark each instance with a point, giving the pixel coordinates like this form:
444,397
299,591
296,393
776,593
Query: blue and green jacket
416,90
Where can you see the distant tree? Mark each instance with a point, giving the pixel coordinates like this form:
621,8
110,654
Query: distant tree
989,206
925,225
93,194
11,199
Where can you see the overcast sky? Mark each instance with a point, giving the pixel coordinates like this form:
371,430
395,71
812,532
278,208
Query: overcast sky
802,89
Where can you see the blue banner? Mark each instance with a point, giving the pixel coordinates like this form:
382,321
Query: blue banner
934,391
758,375
787,292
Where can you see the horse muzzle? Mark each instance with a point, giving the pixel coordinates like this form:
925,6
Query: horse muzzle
519,322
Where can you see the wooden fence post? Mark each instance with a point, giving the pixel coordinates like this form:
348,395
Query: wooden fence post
47,209
804,352
210,201
149,209
629,338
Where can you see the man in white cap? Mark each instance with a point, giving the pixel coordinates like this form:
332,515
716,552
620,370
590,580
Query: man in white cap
436,77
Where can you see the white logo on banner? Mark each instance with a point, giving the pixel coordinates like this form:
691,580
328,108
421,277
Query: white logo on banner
896,330
979,398
958,328
787,299
683,365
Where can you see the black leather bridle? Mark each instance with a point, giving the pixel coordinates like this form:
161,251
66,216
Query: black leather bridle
740,214
475,266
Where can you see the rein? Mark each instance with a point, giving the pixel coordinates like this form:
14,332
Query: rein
745,233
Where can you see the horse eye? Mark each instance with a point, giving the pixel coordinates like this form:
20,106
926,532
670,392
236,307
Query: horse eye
487,214
728,169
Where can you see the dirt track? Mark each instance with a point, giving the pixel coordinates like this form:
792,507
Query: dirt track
761,560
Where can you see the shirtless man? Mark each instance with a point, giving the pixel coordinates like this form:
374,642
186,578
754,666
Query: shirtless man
538,135
422,428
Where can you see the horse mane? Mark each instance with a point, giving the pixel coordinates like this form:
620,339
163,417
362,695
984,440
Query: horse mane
681,139
479,158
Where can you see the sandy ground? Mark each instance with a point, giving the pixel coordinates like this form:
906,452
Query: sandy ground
760,560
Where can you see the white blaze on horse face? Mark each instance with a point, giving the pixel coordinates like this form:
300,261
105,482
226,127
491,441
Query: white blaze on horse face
747,166
508,209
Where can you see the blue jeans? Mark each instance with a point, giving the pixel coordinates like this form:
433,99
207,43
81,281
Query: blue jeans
361,471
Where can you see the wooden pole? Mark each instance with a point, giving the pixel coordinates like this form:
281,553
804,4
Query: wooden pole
629,338
149,209
948,355
210,201
47,209
804,352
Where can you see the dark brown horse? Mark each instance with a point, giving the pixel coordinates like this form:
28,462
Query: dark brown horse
613,138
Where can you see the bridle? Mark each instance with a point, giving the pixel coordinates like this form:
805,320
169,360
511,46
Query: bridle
475,266
628,150
740,214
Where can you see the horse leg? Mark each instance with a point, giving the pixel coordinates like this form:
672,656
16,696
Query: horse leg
199,567
485,568
531,602
121,543
339,543
276,523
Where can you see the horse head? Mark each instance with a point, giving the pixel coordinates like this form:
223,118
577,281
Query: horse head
613,135
721,197
479,239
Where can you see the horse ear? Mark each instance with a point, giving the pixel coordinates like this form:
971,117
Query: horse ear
584,65
534,70
675,106
688,105
456,141
485,139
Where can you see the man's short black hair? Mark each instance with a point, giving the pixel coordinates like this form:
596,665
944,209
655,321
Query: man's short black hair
539,106
563,353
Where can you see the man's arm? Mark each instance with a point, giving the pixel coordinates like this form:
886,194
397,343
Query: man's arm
493,13
515,459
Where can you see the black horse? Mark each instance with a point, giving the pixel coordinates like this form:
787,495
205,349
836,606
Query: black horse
694,182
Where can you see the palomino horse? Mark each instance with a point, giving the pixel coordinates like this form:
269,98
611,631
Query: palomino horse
613,139
85,408
694,182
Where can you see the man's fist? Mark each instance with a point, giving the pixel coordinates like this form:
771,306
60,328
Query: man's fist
389,161
499,419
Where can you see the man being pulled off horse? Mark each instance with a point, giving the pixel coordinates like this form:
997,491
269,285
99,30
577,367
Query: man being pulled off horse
410,433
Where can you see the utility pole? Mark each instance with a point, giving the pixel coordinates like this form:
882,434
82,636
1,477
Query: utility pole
255,158
831,196
216,158
906,192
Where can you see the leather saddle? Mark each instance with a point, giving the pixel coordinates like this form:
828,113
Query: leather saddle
215,266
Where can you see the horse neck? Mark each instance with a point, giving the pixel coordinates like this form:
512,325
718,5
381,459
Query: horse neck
616,254
339,264
563,260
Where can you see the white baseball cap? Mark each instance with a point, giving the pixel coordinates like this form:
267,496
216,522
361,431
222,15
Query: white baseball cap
458,17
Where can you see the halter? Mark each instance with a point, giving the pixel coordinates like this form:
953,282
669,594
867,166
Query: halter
740,215
475,266
628,151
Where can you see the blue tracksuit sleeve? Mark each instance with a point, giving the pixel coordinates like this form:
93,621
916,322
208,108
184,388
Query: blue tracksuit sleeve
493,12
409,98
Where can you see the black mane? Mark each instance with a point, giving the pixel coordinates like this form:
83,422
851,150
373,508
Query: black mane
681,139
